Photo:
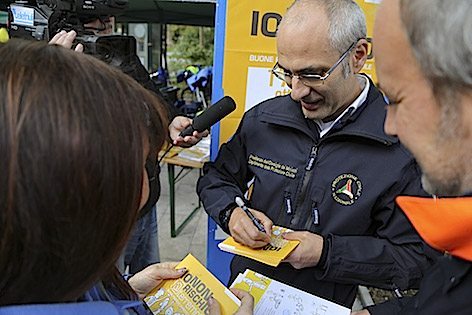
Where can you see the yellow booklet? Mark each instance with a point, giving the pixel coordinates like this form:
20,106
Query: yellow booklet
189,294
276,298
271,254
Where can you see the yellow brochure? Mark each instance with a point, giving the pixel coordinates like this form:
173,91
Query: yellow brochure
276,298
189,294
271,254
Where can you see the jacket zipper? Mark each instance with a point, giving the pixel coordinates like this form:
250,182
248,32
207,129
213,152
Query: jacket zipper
288,203
315,213
315,216
305,180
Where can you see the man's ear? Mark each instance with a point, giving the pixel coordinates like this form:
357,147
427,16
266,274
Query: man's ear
359,55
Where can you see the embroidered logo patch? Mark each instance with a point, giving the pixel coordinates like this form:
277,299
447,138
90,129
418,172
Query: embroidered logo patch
346,189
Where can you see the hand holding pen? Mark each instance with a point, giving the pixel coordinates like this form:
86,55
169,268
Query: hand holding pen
242,223
256,222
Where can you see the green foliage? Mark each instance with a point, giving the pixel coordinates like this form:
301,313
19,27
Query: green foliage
189,45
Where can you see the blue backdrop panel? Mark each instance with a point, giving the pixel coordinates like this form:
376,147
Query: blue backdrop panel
217,261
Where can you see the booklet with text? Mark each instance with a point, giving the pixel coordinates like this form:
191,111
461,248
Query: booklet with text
189,294
271,254
276,298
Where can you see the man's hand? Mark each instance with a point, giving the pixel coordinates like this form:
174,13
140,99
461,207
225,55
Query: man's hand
150,277
363,312
65,39
177,125
244,231
308,252
246,308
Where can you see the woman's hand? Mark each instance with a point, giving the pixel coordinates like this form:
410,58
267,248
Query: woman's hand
246,308
150,277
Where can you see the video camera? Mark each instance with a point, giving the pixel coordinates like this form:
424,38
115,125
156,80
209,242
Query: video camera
42,19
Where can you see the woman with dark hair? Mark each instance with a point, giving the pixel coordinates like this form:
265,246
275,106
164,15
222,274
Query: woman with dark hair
73,156
143,247
72,159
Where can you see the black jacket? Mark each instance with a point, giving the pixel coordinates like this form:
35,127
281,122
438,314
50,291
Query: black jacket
445,289
299,183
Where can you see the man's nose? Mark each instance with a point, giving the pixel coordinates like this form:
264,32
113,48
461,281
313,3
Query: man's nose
299,90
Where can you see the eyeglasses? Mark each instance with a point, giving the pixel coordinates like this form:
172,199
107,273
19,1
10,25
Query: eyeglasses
308,79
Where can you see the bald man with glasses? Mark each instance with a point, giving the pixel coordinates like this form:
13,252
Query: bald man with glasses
321,164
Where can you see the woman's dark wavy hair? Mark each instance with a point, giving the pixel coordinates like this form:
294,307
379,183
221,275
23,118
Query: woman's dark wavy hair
72,138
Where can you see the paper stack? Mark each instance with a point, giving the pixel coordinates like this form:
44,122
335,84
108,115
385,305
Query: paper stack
199,152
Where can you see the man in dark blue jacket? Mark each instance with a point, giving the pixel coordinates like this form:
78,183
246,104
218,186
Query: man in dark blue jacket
321,164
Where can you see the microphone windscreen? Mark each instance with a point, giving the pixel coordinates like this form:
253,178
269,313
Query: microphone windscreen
214,113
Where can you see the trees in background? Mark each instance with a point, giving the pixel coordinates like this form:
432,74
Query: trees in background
189,45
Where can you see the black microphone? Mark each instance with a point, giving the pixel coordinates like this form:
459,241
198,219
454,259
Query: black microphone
213,114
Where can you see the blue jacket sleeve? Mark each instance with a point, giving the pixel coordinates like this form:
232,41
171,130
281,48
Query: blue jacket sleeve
393,256
225,178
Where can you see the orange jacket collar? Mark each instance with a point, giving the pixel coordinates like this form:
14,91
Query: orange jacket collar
444,223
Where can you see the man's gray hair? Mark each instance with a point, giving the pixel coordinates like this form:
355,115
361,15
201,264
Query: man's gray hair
440,33
346,23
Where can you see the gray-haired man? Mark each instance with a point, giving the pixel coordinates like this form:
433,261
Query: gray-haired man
423,52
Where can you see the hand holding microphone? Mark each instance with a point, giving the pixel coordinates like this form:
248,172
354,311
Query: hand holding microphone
178,124
212,115
201,123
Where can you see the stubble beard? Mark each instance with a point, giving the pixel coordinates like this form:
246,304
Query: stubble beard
449,173
321,113
439,187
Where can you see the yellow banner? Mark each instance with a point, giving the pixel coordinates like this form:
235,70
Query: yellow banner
370,8
250,54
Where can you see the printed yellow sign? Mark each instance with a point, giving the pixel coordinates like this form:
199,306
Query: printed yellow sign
250,53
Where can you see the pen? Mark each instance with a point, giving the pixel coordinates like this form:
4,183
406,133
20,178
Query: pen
254,220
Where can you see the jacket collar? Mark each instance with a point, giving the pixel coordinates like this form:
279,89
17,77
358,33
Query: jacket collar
454,270
286,112
444,223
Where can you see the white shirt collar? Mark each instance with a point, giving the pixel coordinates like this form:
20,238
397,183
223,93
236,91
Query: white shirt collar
326,127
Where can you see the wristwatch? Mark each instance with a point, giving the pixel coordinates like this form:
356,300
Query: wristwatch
225,215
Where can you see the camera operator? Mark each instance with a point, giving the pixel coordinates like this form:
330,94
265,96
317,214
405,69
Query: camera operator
142,248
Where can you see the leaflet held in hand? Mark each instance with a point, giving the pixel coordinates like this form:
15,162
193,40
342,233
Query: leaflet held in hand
189,294
276,298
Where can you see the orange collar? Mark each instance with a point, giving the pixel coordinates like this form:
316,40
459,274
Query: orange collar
444,223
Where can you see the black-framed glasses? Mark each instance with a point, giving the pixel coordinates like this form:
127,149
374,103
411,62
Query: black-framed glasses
308,79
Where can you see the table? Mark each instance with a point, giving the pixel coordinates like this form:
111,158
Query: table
187,166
